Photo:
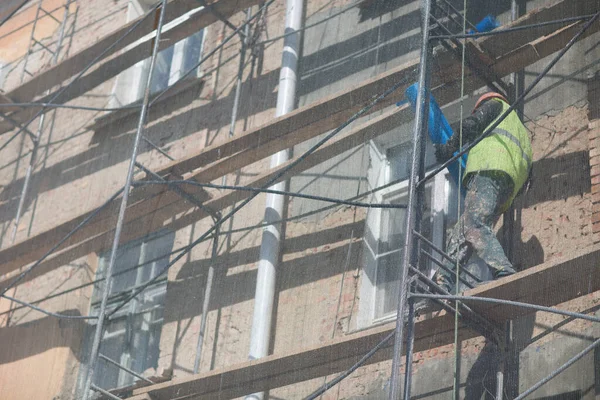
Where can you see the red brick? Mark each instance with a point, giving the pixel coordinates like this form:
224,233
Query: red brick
596,227
595,152
595,170
594,161
594,144
595,218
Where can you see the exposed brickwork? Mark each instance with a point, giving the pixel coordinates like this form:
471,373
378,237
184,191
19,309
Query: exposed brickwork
322,260
594,146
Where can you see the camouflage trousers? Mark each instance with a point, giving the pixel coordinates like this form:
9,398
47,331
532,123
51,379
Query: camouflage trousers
486,193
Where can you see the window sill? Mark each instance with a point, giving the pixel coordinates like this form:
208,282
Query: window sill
390,320
115,116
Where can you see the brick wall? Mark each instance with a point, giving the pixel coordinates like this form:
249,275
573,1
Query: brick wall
594,138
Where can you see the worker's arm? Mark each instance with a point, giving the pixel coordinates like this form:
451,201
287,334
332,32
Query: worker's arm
473,126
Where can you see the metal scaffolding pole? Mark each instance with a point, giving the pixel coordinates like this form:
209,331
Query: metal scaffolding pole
420,127
121,218
38,135
513,106
206,302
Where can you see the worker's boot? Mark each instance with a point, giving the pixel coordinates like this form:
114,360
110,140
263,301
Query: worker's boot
506,271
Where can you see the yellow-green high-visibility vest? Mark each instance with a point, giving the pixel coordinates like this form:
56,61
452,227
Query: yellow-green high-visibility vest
507,149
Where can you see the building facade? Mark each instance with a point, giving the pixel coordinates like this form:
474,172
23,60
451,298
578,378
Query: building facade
337,274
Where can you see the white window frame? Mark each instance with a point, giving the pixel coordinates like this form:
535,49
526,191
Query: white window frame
136,306
380,173
129,85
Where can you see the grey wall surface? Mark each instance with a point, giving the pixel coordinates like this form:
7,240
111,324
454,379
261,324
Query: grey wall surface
343,51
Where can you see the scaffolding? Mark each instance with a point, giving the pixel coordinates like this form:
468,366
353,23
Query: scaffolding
482,310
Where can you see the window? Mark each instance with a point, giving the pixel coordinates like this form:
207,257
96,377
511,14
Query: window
132,335
171,63
384,234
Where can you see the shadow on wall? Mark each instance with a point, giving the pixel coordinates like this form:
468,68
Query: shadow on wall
370,9
41,335
111,144
234,288
558,178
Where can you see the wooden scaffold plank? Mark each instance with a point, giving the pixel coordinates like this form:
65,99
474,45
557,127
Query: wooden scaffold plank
547,284
148,209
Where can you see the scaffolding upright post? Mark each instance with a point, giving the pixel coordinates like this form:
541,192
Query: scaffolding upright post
36,139
412,213
121,217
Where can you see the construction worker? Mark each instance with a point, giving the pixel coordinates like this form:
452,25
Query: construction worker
497,168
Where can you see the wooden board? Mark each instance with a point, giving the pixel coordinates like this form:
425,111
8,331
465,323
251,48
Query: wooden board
572,276
314,118
5,99
119,63
8,9
317,361
537,49
144,217
74,64
502,44
549,284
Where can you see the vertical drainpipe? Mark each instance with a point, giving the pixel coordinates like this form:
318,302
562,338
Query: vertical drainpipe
270,246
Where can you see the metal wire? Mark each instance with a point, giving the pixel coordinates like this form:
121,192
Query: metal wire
513,29
14,123
90,65
412,212
442,266
57,105
499,120
121,216
104,392
308,26
210,53
559,370
49,313
443,254
272,191
279,175
220,16
60,242
353,368
175,188
206,302
129,371
229,232
510,303
479,323
124,271
155,147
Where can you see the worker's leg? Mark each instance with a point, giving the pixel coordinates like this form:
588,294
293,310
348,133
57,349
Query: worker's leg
457,248
486,194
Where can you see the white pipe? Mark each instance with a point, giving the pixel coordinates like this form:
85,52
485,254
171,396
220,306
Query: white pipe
270,246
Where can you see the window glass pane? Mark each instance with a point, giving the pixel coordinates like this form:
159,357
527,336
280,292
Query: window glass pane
162,70
400,159
193,51
127,257
133,338
390,250
156,254
388,273
112,346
